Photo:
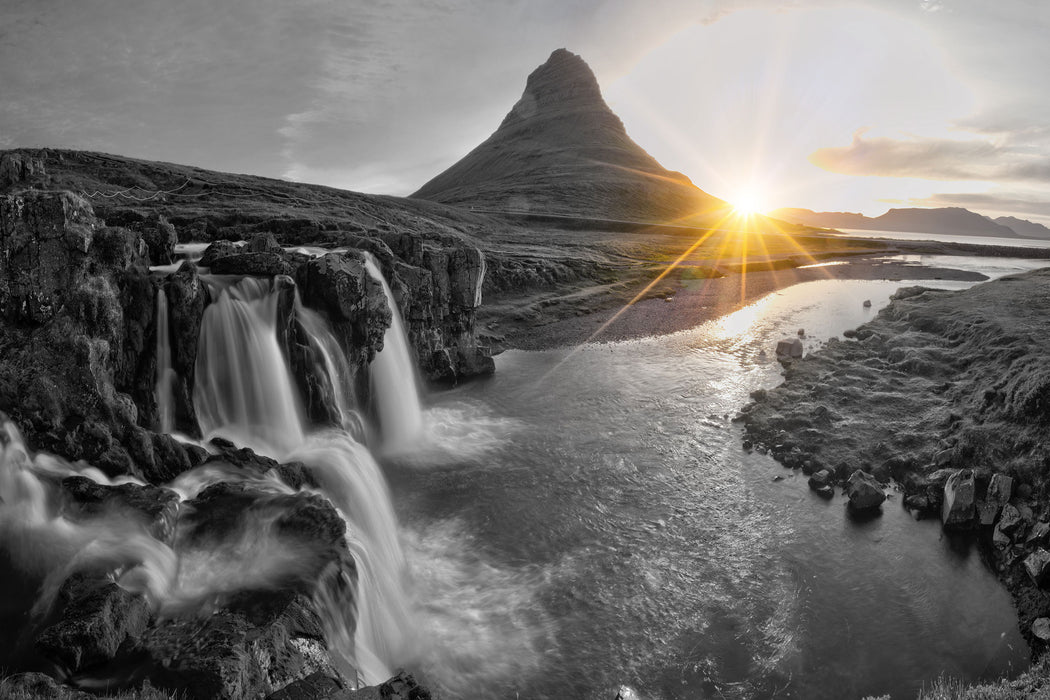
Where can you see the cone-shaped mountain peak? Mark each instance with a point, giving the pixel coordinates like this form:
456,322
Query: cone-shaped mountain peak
561,150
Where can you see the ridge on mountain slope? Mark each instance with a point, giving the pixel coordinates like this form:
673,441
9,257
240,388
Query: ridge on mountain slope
561,150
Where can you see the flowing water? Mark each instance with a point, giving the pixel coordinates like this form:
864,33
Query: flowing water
612,531
584,519
394,378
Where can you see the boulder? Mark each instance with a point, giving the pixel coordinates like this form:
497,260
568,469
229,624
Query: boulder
216,251
156,508
1041,629
1037,564
1000,489
820,479
264,242
789,348
987,512
959,507
1038,534
863,491
18,169
160,238
95,617
1011,523
39,687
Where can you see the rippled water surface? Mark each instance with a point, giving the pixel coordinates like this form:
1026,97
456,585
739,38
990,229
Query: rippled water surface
587,518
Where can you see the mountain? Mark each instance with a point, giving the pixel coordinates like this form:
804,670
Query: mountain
1023,227
946,221
561,150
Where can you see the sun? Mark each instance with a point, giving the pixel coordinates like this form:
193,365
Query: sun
747,202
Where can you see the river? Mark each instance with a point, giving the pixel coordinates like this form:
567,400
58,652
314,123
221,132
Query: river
587,519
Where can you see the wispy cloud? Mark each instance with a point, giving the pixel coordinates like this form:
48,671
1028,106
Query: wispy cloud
936,159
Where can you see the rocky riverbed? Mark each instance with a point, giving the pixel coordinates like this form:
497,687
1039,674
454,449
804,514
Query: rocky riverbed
943,398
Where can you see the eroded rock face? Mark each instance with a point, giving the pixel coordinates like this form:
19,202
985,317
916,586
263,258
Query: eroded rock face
76,373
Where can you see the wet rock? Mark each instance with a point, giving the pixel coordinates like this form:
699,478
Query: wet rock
820,479
217,251
1038,534
1011,523
155,508
959,508
789,348
401,687
1037,564
1041,629
864,492
266,264
316,686
160,238
264,243
1000,489
258,644
339,286
987,512
187,298
917,502
96,616
38,687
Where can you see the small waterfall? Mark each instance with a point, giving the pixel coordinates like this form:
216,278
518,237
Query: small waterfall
244,391
394,378
332,365
165,372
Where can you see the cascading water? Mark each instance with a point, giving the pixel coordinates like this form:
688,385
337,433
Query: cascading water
165,372
394,378
332,364
244,391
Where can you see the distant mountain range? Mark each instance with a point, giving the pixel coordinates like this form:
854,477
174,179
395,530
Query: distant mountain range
562,151
946,221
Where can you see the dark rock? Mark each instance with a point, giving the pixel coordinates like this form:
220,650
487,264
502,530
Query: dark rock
256,264
160,238
1037,536
187,297
917,502
401,687
264,243
820,479
789,348
156,508
316,686
864,492
38,687
96,616
20,169
987,512
45,238
217,251
231,654
959,508
1011,524
1000,488
1037,564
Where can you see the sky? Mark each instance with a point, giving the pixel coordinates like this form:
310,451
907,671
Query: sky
829,105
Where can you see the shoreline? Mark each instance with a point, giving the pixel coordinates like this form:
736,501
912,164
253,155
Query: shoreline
945,395
594,314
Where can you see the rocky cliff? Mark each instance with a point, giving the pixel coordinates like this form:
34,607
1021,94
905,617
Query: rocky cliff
104,556
561,150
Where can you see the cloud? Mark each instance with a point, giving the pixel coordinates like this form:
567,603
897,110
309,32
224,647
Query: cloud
935,159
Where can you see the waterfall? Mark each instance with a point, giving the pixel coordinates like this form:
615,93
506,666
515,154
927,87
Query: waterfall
245,391
394,378
165,372
332,365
